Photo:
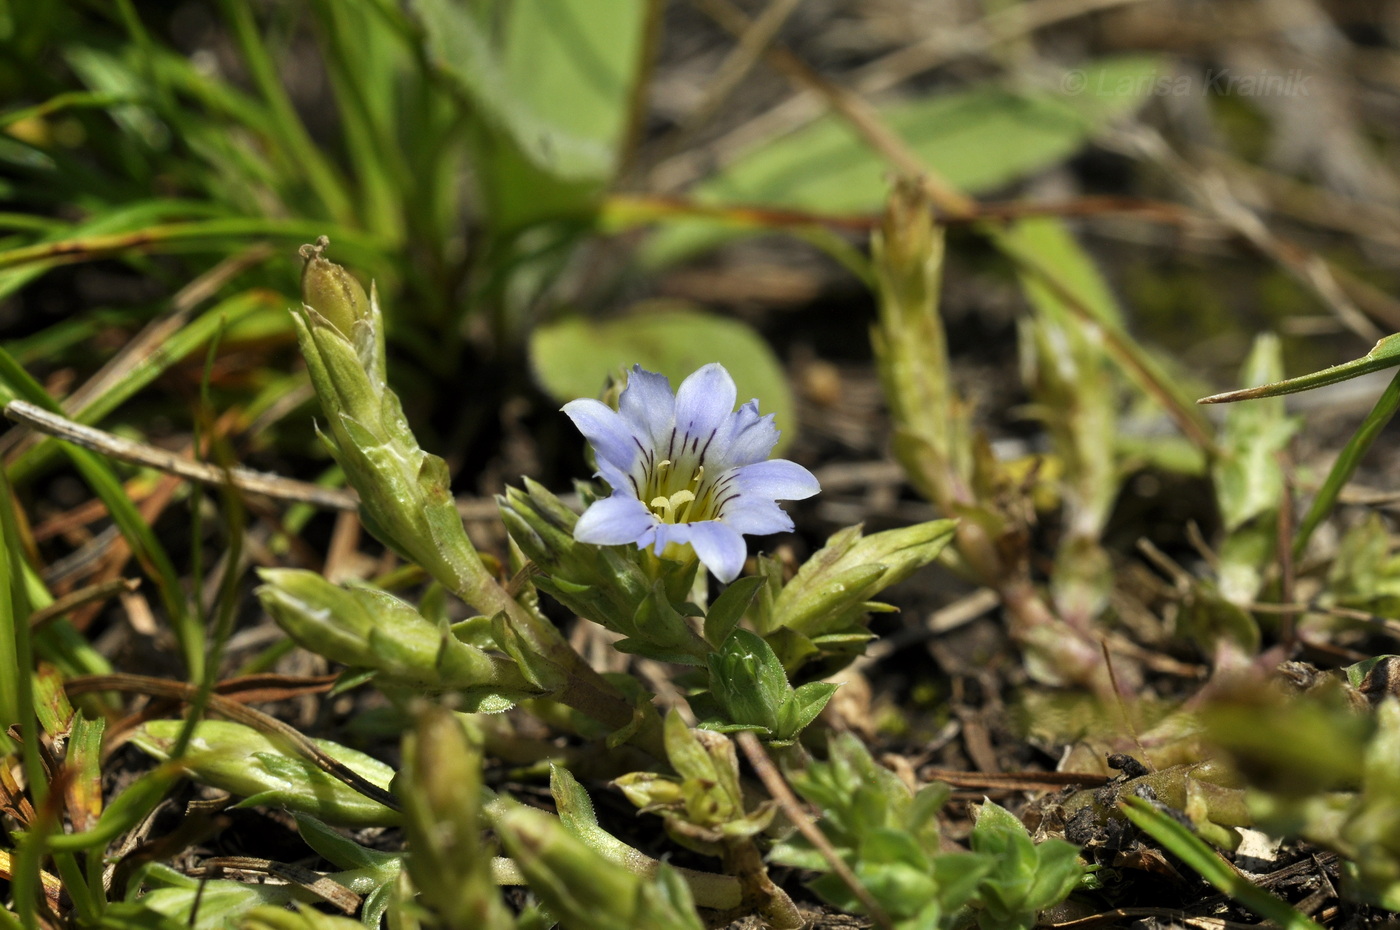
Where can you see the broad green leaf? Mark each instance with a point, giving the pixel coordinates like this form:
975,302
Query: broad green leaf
551,82
977,140
213,904
575,357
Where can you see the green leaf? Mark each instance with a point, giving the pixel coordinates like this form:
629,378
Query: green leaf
342,851
577,815
1248,477
728,609
551,96
135,915
213,904
574,357
1066,288
248,763
977,140
802,708
833,589
1026,878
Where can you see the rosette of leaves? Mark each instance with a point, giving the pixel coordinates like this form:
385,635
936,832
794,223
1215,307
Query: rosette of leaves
889,837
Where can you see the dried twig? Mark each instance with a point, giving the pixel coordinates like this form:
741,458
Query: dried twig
245,479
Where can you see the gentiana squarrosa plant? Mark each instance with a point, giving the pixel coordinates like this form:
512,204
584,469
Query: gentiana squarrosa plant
658,557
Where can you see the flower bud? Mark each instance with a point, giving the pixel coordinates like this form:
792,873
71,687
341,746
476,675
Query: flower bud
332,291
749,690
364,627
405,495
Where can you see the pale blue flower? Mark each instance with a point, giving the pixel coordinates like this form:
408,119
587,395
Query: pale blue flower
686,469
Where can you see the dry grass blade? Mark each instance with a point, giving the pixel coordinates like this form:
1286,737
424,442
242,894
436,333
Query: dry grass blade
53,888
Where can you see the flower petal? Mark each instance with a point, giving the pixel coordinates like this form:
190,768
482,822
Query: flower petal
614,521
617,479
605,430
703,403
647,404
720,548
748,438
756,516
778,479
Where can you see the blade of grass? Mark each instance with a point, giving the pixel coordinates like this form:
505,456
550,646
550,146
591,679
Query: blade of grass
1345,465
59,103
218,234
124,812
1385,354
151,366
286,125
228,584
16,665
359,58
1206,862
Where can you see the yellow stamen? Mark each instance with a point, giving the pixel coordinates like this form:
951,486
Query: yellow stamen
667,507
